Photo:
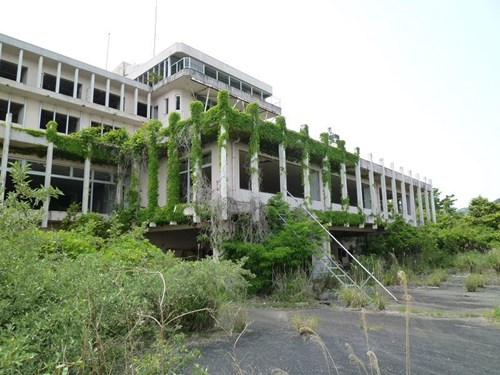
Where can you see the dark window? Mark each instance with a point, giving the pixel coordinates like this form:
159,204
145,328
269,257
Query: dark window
166,106
294,180
211,72
142,109
104,127
154,114
177,102
65,124
66,86
244,166
336,192
9,70
269,171
100,98
15,109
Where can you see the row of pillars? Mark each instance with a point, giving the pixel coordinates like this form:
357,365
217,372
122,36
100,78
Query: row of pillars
39,84
426,192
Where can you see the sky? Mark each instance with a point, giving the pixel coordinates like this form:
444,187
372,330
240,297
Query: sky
415,82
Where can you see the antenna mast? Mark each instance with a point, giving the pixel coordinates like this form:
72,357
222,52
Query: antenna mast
107,51
156,19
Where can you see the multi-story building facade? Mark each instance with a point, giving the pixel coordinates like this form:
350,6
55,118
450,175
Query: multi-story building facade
38,86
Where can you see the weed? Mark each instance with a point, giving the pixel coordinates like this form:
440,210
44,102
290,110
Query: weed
304,324
436,278
474,281
353,297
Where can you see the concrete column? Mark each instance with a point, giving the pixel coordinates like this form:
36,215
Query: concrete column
20,66
92,87
58,77
223,173
359,190
282,166
404,202
419,200
148,114
75,84
327,194
108,87
307,184
343,183
169,67
136,100
254,182
385,210
426,197
48,175
433,205
394,195
373,195
119,183
413,211
39,77
5,155
122,97
86,186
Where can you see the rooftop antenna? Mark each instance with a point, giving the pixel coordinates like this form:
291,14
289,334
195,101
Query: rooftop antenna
156,19
107,51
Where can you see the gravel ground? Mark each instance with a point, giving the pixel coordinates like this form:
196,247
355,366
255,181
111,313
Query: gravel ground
444,338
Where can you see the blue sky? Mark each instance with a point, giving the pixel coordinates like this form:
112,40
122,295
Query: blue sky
414,82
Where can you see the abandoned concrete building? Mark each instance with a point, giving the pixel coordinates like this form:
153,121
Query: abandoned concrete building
247,153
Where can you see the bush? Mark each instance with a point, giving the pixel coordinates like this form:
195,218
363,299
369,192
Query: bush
353,297
436,278
292,287
474,281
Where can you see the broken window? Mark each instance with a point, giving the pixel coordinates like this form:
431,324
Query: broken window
100,98
66,124
269,173
9,70
336,189
11,107
66,86
352,193
294,180
142,109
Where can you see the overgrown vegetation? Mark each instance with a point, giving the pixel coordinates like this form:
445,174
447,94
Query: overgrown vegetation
93,299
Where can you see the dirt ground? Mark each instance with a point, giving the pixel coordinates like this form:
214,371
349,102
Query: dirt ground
447,336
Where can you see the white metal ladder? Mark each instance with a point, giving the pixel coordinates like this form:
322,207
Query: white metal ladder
334,268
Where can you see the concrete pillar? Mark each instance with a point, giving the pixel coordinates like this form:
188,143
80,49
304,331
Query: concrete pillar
359,190
426,197
385,210
223,173
75,84
86,186
433,205
327,194
169,68
20,66
5,155
254,182
92,87
419,200
282,166
58,77
122,97
343,183
404,203
136,100
413,211
108,87
148,114
394,194
373,196
39,77
119,183
48,175
307,183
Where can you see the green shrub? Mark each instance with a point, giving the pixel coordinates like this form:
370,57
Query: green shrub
471,261
292,287
474,281
436,278
353,297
